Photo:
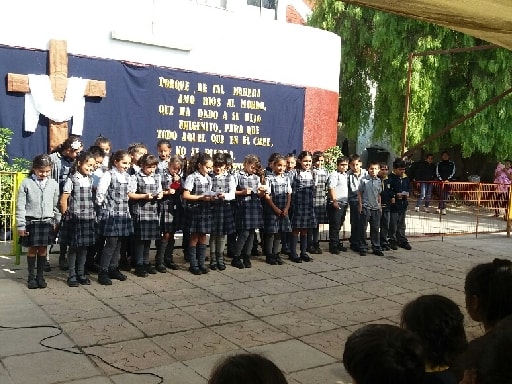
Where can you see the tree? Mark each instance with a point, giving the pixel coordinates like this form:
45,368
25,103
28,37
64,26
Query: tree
375,50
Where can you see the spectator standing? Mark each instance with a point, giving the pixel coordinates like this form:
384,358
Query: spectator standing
502,177
445,172
425,174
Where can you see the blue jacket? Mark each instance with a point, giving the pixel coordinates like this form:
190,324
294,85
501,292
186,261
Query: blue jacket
398,185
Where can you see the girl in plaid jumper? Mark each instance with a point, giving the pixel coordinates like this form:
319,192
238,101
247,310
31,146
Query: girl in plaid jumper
144,211
114,218
198,194
319,201
303,212
78,227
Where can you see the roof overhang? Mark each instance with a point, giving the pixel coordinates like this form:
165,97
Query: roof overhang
489,20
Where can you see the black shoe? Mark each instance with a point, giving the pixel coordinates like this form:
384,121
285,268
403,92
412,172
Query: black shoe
140,271
296,259
63,264
378,253
171,264
386,248
255,252
393,246
247,263
279,261
160,268
32,283
317,250
334,251
271,260
221,266
83,280
237,263
305,257
47,266
73,282
150,269
213,267
195,271
116,274
103,278
203,269
41,283
342,248
362,253
310,249
406,246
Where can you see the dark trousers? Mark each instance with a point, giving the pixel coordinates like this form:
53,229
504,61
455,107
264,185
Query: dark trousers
372,217
355,223
397,228
336,219
384,228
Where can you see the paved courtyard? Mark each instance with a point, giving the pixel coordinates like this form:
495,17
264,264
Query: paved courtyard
177,325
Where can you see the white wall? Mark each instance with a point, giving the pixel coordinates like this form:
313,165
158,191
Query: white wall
201,38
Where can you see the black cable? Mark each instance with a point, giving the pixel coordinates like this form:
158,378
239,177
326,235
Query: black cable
80,351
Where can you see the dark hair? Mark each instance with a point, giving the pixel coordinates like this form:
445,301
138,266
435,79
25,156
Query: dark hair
68,143
488,357
175,159
384,354
247,368
291,154
229,161
398,163
317,155
133,148
164,142
41,161
439,324
97,151
198,158
354,157
219,159
300,156
117,156
341,159
373,162
278,158
102,140
272,157
147,160
81,158
491,284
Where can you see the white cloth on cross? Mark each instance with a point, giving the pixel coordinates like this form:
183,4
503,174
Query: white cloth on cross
40,100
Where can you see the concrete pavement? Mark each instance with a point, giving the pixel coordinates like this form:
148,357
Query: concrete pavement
177,325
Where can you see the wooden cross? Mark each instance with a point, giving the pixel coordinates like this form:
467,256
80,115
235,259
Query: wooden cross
58,73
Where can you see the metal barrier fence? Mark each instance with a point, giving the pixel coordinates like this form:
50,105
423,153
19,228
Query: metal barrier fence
471,208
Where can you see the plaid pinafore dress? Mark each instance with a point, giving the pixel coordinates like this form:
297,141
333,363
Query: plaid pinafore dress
303,211
171,206
146,220
249,210
223,219
114,218
198,213
278,188
78,226
320,196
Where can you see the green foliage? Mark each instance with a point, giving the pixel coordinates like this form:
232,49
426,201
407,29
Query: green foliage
17,164
330,157
444,87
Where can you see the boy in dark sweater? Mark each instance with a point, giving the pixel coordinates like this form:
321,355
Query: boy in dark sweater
400,186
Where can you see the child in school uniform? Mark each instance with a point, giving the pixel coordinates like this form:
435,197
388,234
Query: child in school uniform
286,237
337,187
385,201
303,217
276,206
144,211
164,149
37,216
368,195
319,202
126,259
78,227
224,187
114,220
354,174
198,195
249,210
399,184
171,213
231,237
62,159
106,145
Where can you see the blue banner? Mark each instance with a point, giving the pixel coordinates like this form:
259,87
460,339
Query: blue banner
195,111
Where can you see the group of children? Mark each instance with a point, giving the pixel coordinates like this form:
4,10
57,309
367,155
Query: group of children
109,208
